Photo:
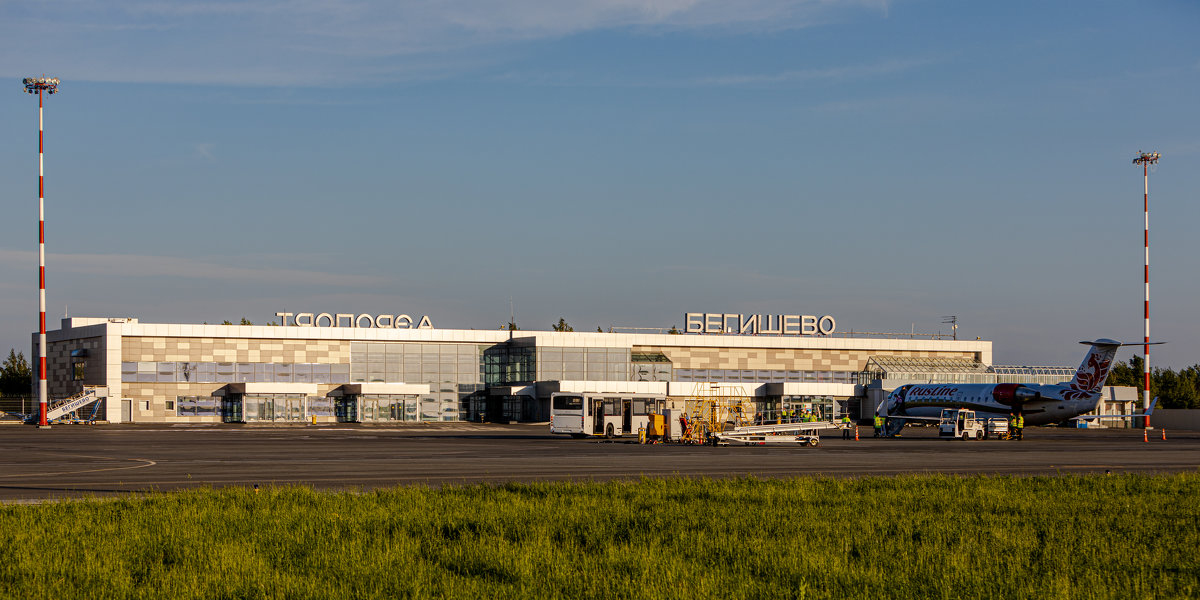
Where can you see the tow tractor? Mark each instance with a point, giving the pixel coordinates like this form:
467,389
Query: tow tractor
960,423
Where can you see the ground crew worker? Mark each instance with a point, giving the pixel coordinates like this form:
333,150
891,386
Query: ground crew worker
878,425
845,427
1019,420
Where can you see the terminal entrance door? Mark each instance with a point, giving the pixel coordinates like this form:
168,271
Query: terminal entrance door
345,409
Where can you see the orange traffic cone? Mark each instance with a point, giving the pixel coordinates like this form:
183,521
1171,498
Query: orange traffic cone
856,433
1145,436
1164,432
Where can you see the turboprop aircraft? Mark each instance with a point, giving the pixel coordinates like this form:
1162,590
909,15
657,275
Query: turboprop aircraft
1040,404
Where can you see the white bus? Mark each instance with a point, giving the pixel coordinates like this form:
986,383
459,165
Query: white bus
607,415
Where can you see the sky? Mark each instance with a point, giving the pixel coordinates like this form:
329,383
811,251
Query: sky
616,163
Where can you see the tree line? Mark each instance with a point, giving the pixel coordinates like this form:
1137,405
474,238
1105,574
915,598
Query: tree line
1174,389
15,375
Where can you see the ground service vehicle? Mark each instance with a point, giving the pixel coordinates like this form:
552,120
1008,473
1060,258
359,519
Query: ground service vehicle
996,428
960,423
608,415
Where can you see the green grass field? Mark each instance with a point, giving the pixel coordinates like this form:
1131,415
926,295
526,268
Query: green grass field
875,537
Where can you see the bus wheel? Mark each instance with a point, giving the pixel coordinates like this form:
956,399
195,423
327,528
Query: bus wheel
609,432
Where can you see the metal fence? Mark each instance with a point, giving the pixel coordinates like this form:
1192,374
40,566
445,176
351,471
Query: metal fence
11,406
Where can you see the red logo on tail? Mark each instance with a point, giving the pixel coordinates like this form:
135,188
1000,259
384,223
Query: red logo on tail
1089,378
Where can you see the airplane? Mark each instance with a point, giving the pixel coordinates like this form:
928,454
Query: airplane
1041,404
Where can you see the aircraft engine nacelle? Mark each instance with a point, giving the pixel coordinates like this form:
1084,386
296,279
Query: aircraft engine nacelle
1014,394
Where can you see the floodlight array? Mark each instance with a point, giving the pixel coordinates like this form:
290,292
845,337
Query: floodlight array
34,85
1147,158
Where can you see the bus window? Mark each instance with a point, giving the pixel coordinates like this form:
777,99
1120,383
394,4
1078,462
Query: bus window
568,402
612,407
639,407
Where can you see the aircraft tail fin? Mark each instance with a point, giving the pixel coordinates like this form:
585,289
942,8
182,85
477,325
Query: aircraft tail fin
1094,369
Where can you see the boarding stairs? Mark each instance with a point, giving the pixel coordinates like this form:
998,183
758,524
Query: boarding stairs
803,434
90,394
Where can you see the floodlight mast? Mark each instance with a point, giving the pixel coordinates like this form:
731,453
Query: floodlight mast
38,85
1146,159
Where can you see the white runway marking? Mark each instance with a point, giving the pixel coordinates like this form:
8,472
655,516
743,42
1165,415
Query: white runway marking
145,463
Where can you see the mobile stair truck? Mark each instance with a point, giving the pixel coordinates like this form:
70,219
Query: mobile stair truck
960,423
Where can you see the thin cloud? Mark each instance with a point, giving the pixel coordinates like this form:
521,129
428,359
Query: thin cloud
204,150
832,74
134,265
334,42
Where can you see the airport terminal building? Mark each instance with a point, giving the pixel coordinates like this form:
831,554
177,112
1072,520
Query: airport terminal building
390,368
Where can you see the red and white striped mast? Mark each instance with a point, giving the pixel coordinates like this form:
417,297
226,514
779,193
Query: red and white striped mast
38,85
1146,159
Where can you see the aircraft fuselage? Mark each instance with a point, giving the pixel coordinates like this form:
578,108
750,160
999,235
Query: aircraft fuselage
1040,404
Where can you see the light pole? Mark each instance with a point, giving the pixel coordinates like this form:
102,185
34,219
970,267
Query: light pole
38,85
1146,159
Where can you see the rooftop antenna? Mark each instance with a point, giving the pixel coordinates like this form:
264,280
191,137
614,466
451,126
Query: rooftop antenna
953,321
512,317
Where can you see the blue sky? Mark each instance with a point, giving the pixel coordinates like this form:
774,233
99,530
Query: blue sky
613,162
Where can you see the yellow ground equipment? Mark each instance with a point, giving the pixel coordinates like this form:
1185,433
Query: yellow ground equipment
656,428
712,408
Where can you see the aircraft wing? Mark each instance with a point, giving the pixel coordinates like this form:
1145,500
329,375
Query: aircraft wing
908,418
1148,412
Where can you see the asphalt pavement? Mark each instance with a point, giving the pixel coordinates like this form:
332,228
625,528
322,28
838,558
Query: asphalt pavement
71,461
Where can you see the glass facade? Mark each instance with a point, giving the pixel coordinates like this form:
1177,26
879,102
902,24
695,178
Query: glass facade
222,372
582,364
377,407
259,408
766,376
197,406
769,409
508,365
453,371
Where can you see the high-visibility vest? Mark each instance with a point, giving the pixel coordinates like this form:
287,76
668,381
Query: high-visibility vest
878,421
1020,421
846,420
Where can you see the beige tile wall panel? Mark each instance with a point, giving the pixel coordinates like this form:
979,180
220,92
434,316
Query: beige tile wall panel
212,350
